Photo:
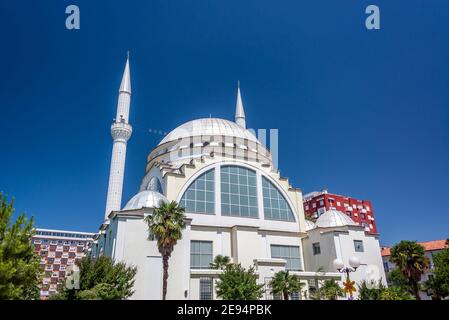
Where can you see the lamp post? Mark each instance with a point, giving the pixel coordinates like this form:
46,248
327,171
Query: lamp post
354,263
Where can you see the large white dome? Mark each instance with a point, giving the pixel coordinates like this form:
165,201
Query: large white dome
209,127
334,218
145,199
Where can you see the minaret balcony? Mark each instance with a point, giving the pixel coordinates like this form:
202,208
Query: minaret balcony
121,131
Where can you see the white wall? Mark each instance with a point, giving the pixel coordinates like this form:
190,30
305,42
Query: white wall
328,253
371,267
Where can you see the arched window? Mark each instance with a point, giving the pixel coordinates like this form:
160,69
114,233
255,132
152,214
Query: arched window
275,206
199,196
238,192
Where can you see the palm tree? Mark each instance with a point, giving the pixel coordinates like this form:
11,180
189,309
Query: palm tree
220,262
331,290
166,225
285,284
410,259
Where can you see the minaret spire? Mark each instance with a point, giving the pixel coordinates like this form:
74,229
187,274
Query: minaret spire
239,111
121,131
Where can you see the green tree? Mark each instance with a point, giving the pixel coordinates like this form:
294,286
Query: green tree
309,218
285,284
395,293
236,283
19,264
220,262
371,290
166,224
101,279
410,260
397,279
329,290
438,285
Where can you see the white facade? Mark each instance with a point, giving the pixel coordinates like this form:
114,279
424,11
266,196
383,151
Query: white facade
237,205
338,237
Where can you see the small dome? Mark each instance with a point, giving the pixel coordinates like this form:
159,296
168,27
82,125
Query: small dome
145,199
334,218
209,127
310,225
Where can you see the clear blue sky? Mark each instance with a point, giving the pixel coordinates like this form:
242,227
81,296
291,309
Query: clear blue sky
365,113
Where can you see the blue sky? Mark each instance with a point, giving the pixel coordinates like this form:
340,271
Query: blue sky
364,113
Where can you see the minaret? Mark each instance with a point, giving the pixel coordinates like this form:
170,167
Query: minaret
121,131
239,112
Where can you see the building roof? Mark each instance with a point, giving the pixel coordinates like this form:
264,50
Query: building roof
125,85
145,199
428,246
239,110
334,218
209,127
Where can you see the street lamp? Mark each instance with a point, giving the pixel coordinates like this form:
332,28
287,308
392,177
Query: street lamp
354,263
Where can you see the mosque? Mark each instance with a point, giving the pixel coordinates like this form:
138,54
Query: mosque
237,204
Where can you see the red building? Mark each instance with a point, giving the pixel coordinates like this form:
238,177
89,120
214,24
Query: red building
59,250
361,211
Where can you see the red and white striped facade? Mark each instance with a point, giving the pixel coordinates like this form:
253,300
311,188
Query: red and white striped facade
59,250
361,211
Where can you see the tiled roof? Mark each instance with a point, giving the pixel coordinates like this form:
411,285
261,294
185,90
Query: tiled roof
428,246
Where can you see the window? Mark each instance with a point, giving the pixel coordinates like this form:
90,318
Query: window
295,296
199,196
358,246
321,211
316,248
386,267
200,254
289,253
206,289
275,206
363,216
321,203
238,192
